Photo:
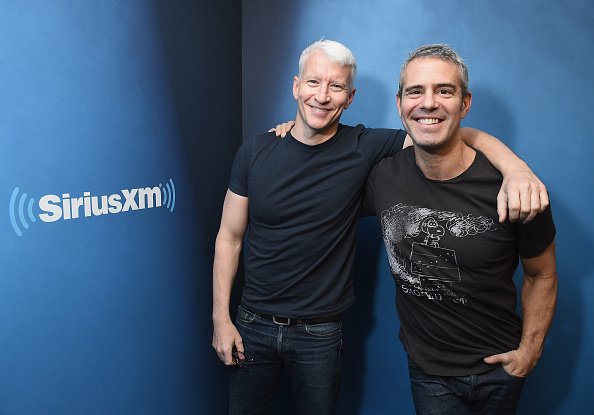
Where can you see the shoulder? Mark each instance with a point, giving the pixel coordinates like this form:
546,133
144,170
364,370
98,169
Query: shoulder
253,145
404,157
370,134
377,143
482,168
381,134
264,138
397,164
256,142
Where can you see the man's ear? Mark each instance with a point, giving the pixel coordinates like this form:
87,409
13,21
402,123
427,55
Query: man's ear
466,103
350,98
295,87
398,105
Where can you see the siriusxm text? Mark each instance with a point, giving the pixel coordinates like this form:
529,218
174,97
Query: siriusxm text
67,207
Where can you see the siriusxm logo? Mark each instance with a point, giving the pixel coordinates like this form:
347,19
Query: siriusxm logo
52,208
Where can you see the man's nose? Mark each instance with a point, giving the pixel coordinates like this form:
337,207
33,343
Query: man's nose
322,93
429,101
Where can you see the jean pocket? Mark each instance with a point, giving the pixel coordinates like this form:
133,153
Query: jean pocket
324,329
245,316
510,376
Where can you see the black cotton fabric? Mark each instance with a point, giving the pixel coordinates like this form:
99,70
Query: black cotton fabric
452,261
304,202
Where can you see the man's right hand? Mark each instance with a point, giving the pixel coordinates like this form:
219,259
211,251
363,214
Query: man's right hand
224,338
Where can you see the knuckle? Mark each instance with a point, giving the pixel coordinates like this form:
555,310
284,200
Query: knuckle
514,206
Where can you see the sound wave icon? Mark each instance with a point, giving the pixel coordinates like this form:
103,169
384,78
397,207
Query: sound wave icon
169,195
19,209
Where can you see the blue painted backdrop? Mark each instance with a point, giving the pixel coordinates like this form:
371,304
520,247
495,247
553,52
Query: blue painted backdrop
110,314
531,74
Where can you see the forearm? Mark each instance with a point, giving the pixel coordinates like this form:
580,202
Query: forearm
522,195
539,298
498,153
226,260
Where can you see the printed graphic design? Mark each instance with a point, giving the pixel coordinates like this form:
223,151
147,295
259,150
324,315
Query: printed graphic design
430,269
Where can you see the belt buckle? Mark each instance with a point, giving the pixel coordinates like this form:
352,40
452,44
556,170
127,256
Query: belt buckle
284,321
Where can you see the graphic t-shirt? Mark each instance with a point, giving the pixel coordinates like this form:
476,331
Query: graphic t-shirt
452,261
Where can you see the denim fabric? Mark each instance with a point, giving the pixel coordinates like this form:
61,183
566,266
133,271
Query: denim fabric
494,392
309,353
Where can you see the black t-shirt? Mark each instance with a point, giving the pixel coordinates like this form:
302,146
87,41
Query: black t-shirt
304,202
452,261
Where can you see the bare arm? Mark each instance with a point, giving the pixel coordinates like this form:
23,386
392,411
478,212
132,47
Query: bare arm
228,245
521,191
539,297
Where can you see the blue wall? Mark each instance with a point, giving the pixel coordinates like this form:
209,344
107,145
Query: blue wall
110,314
531,74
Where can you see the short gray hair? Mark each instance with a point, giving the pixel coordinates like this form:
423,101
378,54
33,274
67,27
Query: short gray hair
336,52
439,51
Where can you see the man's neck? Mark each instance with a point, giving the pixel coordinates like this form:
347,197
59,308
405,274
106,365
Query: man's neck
310,136
444,164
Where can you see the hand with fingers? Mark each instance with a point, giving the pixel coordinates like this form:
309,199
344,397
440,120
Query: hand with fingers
227,341
281,130
522,197
514,362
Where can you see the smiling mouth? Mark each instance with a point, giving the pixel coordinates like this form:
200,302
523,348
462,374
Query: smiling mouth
428,121
318,109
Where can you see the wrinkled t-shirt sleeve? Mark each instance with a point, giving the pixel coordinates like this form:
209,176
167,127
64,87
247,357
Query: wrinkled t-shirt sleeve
379,143
368,205
536,235
238,183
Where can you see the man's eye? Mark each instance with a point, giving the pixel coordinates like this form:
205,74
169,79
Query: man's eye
337,88
413,92
445,92
312,82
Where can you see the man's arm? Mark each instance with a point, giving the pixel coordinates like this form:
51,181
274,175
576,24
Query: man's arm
281,131
521,191
539,297
228,245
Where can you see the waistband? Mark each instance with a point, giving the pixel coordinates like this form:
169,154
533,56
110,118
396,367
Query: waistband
290,321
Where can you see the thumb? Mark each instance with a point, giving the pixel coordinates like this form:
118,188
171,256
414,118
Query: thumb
239,345
502,206
496,358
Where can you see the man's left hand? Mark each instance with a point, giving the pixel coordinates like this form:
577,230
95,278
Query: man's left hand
514,362
523,195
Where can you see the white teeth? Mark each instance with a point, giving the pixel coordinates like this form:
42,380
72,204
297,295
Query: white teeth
428,120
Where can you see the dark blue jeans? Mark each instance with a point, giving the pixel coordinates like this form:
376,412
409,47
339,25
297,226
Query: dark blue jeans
494,392
310,354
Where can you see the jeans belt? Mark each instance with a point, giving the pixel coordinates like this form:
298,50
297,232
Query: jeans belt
287,321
